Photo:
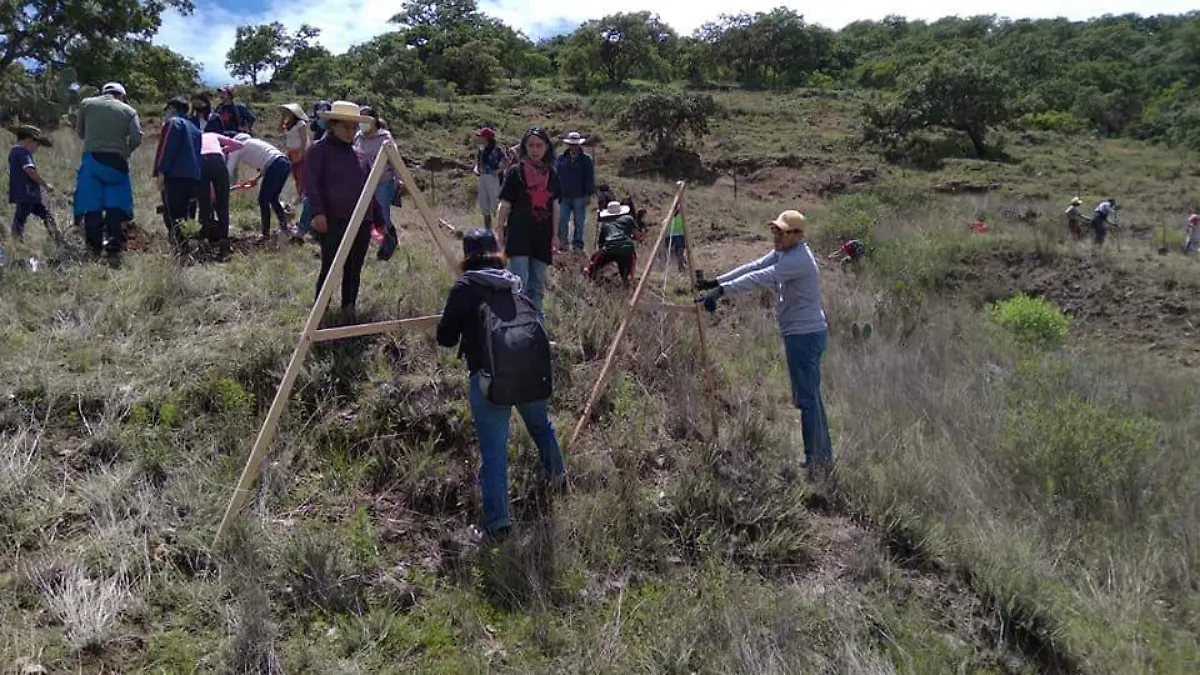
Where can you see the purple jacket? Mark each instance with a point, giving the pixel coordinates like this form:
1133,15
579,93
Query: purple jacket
336,175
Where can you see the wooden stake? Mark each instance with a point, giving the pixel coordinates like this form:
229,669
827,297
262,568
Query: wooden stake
633,305
708,375
342,332
431,222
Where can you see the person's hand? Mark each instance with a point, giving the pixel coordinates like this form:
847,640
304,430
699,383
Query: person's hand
554,242
320,224
707,284
710,300
48,188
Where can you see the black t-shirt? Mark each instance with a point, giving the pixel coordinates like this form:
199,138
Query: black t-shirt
530,230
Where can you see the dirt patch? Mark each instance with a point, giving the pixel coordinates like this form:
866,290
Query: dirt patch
1142,308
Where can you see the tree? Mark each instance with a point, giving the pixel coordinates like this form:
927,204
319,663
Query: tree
663,121
256,49
43,32
772,48
302,52
148,71
617,47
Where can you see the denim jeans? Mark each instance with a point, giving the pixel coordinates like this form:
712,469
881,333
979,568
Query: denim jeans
274,177
383,196
491,426
533,274
579,207
804,368
306,217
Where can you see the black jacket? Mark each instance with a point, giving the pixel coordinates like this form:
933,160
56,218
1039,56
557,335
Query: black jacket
616,234
460,324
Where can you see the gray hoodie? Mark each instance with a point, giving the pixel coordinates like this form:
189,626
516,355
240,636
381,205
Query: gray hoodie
794,277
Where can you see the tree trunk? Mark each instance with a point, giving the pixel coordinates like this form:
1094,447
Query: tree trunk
976,137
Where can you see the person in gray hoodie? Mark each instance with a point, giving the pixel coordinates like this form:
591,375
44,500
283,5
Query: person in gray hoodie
790,270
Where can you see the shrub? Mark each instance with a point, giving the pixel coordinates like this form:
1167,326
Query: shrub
1053,120
1034,321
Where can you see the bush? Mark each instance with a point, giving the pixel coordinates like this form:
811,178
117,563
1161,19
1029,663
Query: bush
1031,320
664,120
1053,120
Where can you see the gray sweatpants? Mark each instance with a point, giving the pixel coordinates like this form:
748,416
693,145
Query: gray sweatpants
489,194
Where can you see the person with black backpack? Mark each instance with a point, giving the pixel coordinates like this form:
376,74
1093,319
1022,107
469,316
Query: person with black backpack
500,333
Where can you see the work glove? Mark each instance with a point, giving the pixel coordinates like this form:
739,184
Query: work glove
707,284
710,299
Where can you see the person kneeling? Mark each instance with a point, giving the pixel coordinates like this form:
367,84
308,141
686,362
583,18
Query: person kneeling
500,332
615,242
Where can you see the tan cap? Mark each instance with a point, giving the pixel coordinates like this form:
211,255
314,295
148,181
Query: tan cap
789,221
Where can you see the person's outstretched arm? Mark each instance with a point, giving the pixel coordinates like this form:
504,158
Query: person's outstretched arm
450,326
764,263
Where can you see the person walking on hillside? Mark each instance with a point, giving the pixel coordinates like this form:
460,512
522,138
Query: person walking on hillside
577,176
790,270
294,125
25,183
527,221
616,242
1104,213
490,164
370,141
273,170
213,191
499,332
337,174
177,166
1193,230
232,118
111,132
1075,219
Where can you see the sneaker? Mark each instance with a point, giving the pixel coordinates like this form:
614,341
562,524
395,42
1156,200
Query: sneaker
387,248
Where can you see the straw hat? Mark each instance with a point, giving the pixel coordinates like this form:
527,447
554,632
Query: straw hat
1076,202
296,110
574,138
615,209
32,132
789,221
346,111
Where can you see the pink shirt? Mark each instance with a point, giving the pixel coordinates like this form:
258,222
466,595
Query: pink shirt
216,144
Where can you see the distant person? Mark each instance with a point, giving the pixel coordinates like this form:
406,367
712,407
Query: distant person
527,222
676,248
294,125
25,183
979,226
790,272
851,252
337,174
213,191
233,118
499,332
111,132
177,166
1193,236
273,170
1104,213
616,242
490,164
371,139
202,112
319,126
1075,218
577,178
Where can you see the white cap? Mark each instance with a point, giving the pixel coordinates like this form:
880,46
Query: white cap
113,88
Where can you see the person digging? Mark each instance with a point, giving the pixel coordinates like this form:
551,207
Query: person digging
1075,219
851,252
791,272
177,165
1102,216
26,184
616,242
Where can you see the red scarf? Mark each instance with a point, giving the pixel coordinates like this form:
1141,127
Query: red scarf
537,184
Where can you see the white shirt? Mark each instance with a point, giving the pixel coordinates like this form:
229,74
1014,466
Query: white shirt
1105,208
297,136
256,154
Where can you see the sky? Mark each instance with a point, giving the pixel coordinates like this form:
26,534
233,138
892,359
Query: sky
208,33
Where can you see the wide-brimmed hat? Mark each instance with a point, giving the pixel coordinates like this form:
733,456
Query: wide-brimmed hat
1076,202
347,111
614,208
789,221
296,110
28,131
574,138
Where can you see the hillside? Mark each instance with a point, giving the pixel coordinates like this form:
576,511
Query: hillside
997,508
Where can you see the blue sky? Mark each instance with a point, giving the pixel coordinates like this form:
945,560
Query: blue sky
209,32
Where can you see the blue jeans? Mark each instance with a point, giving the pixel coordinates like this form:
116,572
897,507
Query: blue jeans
274,177
533,273
383,196
579,207
306,217
804,368
491,426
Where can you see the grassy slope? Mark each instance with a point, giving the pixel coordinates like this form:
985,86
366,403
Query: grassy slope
1026,514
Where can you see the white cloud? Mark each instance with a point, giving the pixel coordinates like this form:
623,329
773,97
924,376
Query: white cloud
209,33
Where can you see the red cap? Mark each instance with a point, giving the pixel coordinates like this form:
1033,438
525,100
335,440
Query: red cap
486,133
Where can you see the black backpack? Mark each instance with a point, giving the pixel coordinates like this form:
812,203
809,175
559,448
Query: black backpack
516,359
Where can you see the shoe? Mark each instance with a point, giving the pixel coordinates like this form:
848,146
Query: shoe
388,247
224,250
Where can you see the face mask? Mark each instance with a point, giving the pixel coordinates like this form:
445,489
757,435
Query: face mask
365,127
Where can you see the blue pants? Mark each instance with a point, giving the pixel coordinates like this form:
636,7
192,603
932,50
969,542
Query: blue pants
491,426
533,273
104,201
306,217
579,207
804,369
274,177
21,213
383,196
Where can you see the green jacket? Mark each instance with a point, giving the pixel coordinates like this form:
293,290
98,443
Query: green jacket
616,234
106,124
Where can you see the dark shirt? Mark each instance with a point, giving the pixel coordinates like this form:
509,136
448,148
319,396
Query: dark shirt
530,230
336,175
576,175
178,150
490,157
616,234
235,117
21,188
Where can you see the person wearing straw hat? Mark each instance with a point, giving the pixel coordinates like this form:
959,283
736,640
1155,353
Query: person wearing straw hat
790,270
1075,218
25,184
577,177
337,174
294,124
490,165
111,132
616,242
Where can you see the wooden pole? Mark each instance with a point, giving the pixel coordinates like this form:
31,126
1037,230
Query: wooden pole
633,305
267,433
431,222
342,332
708,375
